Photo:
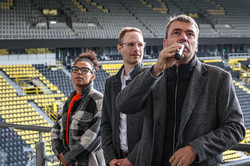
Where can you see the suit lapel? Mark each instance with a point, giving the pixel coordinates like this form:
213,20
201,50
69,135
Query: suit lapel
194,91
116,88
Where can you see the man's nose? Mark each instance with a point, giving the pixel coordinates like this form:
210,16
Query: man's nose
183,37
136,46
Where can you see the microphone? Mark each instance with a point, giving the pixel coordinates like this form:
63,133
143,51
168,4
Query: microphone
178,53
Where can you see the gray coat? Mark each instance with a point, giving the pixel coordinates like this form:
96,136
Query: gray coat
212,120
111,120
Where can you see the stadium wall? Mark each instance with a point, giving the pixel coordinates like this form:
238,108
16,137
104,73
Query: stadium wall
73,43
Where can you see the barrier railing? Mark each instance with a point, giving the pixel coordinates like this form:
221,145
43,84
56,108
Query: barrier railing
41,157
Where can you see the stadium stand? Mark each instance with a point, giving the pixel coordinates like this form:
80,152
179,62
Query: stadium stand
55,77
104,19
32,94
19,110
101,76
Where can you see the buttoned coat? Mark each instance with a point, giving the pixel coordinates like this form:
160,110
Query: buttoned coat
211,119
111,120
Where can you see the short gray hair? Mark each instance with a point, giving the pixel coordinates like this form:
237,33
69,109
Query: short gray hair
182,18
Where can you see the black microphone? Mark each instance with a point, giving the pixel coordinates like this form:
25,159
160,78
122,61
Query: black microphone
178,53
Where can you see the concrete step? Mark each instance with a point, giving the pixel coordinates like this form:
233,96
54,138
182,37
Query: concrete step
18,89
38,83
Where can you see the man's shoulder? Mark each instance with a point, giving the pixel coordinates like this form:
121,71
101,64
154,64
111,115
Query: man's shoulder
214,68
116,76
112,78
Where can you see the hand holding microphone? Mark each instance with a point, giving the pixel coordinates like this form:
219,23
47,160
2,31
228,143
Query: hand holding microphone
167,58
178,53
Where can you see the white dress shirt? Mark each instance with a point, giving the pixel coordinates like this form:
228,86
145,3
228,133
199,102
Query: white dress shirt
123,118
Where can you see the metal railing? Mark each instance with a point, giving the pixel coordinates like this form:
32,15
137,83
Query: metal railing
41,157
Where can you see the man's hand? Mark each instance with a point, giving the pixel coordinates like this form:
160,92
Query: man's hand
125,162
120,162
183,157
63,161
114,162
165,59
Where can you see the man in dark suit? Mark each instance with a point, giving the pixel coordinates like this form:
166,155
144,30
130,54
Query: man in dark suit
192,114
121,133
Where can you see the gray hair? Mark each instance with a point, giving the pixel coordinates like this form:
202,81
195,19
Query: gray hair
182,18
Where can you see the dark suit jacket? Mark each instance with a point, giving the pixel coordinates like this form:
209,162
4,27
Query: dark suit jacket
111,120
211,119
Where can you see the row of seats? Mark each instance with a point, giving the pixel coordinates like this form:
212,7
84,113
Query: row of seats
12,148
55,78
140,14
17,110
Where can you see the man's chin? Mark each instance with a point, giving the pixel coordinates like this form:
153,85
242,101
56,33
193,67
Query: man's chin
135,62
137,58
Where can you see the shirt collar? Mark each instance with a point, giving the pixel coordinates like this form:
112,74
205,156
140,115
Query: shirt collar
186,67
123,76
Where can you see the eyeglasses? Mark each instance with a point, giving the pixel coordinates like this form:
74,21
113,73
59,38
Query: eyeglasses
132,44
83,70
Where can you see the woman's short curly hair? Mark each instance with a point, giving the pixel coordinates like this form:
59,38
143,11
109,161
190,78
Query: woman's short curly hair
89,56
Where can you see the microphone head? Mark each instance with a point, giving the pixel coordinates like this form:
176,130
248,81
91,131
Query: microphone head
178,53
177,56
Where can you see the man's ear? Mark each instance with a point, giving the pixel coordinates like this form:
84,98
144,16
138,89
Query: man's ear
197,47
164,43
119,47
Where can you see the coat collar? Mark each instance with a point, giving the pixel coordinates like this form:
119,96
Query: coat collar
117,82
133,73
85,91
